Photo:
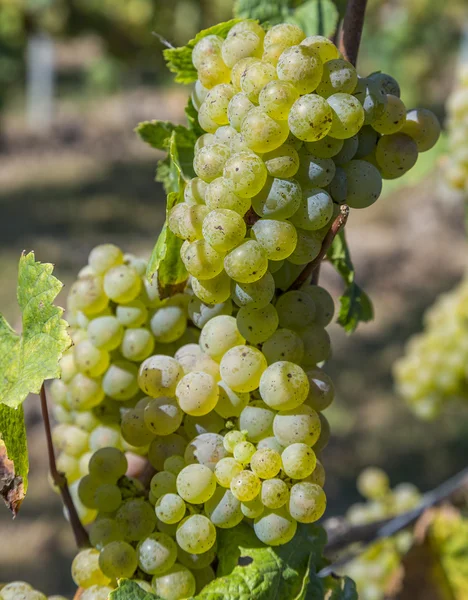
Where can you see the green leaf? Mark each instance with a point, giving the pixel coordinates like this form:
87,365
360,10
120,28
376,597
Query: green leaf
264,10
14,463
129,590
355,304
340,588
316,17
28,359
158,133
192,118
179,60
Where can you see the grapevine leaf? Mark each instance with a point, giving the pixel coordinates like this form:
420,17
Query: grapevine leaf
129,590
14,464
28,359
340,588
264,10
179,60
158,133
355,304
316,16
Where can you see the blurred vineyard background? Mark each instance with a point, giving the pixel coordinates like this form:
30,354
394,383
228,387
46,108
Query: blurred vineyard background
76,76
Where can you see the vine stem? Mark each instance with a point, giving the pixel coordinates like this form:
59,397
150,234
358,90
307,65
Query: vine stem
313,268
351,31
81,536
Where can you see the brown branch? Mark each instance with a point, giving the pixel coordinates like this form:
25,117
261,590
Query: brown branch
81,536
314,266
351,31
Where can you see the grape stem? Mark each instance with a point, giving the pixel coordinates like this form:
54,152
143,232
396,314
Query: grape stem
351,30
341,534
59,479
312,269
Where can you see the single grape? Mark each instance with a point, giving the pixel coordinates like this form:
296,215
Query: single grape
396,154
241,45
393,118
196,484
284,386
213,71
107,465
132,314
307,502
209,45
324,47
105,333
338,76
257,294
159,375
321,390
170,508
315,210
206,449
136,518
284,344
282,162
317,345
196,534
241,368
276,99
256,325
90,360
210,160
348,115
223,509
275,527
223,229
373,99
238,108
87,294
253,509
243,452
245,486
364,183
256,420
176,583
373,483
265,463
310,118
137,344
162,447
261,133
120,380
247,263
347,152
313,171
104,531
230,403
122,284
298,461
326,147
105,436
299,425
274,493
84,392
202,261
156,554
307,248
163,483
279,199
85,569
212,291
174,464
388,84
226,469
104,257
302,67
255,77
247,174
423,126
197,393
277,238
118,559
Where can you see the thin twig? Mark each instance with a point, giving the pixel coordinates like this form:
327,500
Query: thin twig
163,40
351,30
81,536
310,269
366,534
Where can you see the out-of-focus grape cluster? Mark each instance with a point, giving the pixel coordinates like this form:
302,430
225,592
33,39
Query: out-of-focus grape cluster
20,590
456,162
433,369
374,569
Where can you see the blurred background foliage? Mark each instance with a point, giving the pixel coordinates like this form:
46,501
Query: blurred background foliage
84,178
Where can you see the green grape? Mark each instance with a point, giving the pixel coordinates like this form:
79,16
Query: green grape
298,461
325,433
197,393
254,77
103,532
108,497
364,183
274,493
282,162
302,67
86,515
316,345
393,118
388,84
257,294
194,192
150,292
348,116
89,359
367,142
245,486
205,449
137,344
162,447
212,291
132,314
206,364
296,309
338,188
247,174
87,295
230,403
75,441
198,94
256,420
232,438
307,502
373,99
163,416
313,171
176,218
266,463
324,47
219,335
210,160
104,257
252,509
105,436
226,135
120,380
206,123
300,425
163,483
201,313
243,452
196,483
238,107
338,76
19,590
307,248
406,496
247,263
241,368
321,390
159,375
105,333
84,392
107,465
85,569
275,527
277,238
220,195
190,222
118,559
276,99
69,466
175,584
279,199
423,126
275,265
217,101
210,423
204,140
213,71
284,344
188,355
203,577
170,508
327,147
201,260
223,229
174,464
223,509
96,592
241,45
226,469
285,35
58,392
156,554
270,442
247,25
122,284
257,324
261,133
316,209
348,151
209,45
136,518
284,386
373,483
396,154
169,323
144,585
310,118
139,264
318,475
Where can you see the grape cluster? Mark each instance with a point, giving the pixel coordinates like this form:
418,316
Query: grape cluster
433,370
456,166
19,590
231,424
373,570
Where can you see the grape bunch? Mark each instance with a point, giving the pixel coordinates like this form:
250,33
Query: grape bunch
230,424
433,371
19,590
374,569
456,163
